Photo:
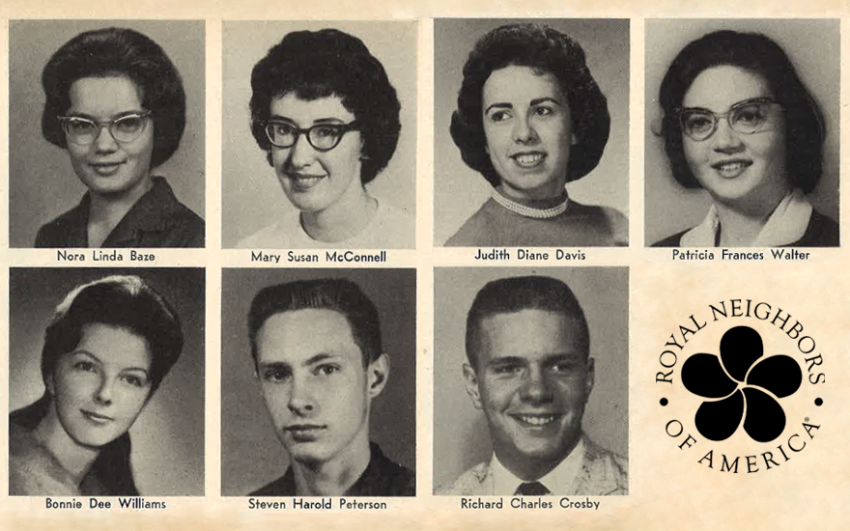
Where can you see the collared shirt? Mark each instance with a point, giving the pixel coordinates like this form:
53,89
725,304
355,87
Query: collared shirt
157,219
787,224
382,477
559,480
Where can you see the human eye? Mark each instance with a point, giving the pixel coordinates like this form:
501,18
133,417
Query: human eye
325,131
326,369
750,115
498,115
129,124
85,366
566,367
543,110
79,126
135,380
697,121
276,374
507,368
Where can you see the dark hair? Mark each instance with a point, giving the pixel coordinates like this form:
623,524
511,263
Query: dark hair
337,294
123,301
804,123
126,302
509,295
546,51
320,64
117,52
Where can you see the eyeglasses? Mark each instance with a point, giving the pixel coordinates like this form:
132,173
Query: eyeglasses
124,129
746,117
323,137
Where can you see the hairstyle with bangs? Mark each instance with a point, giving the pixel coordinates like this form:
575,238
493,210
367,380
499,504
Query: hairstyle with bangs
320,64
545,50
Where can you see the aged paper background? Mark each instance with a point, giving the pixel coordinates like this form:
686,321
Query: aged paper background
668,488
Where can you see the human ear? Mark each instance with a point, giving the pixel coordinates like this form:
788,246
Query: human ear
378,373
472,385
589,378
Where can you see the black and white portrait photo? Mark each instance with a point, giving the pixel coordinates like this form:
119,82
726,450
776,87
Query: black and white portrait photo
531,381
107,133
318,382
319,135
742,144
531,123
106,382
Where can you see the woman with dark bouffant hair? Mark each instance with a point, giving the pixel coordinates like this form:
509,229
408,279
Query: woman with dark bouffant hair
106,351
325,113
530,118
739,122
115,103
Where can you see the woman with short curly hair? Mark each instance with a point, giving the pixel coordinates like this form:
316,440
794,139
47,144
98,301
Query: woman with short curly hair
115,103
325,113
530,118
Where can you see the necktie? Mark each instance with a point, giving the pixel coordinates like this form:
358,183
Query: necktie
532,488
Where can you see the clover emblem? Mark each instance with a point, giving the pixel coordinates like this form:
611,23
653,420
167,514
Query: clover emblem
746,384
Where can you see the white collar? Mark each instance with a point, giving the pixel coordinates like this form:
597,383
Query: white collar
786,224
560,480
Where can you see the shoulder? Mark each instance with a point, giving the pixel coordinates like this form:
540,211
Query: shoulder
822,231
275,236
282,486
471,482
390,478
609,222
671,241
604,473
476,230
187,226
55,233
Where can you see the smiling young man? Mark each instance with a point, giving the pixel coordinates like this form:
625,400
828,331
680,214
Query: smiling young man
530,372
318,357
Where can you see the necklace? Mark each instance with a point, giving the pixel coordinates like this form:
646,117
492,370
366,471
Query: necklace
531,212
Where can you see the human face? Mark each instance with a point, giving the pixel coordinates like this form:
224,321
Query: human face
528,128
316,180
101,386
108,167
532,380
317,391
737,168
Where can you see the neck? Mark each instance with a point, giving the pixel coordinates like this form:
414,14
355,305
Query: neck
346,218
531,469
742,221
544,198
75,458
336,476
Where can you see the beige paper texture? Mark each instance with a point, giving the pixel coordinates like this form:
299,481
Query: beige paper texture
669,488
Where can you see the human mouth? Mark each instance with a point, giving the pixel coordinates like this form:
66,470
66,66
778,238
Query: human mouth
304,432
304,181
96,418
536,420
106,169
730,169
529,159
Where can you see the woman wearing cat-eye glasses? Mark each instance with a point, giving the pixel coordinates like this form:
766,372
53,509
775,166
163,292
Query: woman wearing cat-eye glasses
116,103
740,123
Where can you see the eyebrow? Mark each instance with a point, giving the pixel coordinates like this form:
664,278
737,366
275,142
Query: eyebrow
317,121
532,103
95,118
551,358
757,99
100,362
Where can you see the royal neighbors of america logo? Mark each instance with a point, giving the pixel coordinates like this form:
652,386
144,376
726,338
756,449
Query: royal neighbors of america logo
741,385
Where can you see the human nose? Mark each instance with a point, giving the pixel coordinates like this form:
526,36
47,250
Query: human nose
104,141
300,397
301,153
524,131
537,388
726,139
105,390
